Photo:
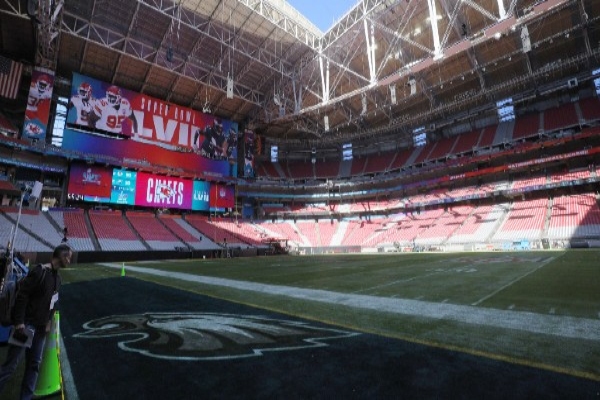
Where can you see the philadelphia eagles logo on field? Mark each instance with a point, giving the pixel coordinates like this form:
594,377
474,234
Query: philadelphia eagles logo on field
207,336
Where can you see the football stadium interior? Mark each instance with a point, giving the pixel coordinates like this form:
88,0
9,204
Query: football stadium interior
178,130
192,126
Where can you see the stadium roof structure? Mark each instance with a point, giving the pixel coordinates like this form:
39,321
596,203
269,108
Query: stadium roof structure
384,68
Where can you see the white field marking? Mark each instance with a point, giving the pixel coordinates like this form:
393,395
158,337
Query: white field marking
369,289
553,310
555,325
445,300
420,297
495,292
67,376
511,307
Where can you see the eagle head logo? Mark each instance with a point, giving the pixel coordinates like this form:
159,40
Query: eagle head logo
207,336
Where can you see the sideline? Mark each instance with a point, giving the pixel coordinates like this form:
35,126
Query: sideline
561,326
68,382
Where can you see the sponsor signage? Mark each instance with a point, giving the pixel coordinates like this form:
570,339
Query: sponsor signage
89,183
222,197
123,187
163,191
201,196
98,105
37,112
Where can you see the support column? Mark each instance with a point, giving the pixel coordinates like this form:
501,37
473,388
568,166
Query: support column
434,30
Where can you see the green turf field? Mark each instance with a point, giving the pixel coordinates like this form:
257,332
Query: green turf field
563,286
540,309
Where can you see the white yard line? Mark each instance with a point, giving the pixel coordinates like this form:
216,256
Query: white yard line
509,284
561,326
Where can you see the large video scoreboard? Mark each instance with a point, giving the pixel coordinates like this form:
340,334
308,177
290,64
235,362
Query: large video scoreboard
100,184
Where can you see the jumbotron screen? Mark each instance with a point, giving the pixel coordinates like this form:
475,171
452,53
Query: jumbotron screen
89,183
163,191
120,186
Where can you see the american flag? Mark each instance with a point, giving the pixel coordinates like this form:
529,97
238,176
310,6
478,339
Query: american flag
10,77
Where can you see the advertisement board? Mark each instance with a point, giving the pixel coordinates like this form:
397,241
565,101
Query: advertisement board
163,191
200,199
123,187
97,105
37,112
222,197
89,183
149,155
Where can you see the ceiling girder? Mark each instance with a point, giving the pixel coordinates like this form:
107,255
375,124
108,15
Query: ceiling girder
146,52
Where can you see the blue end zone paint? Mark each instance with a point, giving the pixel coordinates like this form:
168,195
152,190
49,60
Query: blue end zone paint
349,366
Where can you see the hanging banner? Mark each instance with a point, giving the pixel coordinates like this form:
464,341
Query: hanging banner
221,197
37,112
249,154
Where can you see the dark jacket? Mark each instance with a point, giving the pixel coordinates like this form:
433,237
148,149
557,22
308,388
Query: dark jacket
32,305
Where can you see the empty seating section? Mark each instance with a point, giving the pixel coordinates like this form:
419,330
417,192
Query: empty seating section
479,225
525,220
187,233
270,170
374,205
461,192
285,229
434,195
466,142
153,231
327,169
378,163
425,150
569,176
529,182
39,225
401,158
576,216
590,109
444,226
315,209
213,231
442,149
526,126
245,233
405,230
309,230
112,231
487,136
358,166
77,231
561,117
326,231
24,241
358,231
301,170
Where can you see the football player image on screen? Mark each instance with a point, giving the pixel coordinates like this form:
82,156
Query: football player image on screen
214,144
82,102
39,91
231,150
111,111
